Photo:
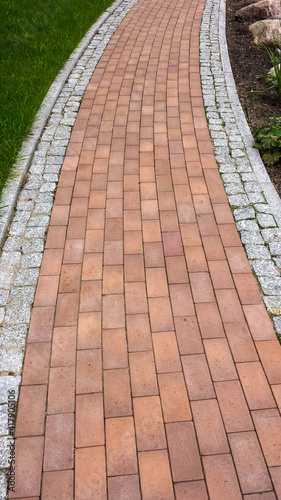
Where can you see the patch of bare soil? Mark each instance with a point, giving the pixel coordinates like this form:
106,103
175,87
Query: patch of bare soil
248,63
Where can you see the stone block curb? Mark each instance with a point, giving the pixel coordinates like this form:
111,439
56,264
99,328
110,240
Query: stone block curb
29,201
252,197
11,191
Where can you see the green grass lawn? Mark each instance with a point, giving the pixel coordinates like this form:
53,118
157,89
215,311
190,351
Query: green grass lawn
36,39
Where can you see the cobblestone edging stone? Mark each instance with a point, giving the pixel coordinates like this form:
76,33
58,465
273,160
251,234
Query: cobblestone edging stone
11,191
23,249
255,203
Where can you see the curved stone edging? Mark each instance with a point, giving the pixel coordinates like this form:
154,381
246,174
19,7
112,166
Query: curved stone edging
21,257
268,189
255,203
12,189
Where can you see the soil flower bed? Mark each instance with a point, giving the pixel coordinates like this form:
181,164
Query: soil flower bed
248,63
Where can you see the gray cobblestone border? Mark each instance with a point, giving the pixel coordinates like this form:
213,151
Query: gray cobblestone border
23,249
12,189
255,203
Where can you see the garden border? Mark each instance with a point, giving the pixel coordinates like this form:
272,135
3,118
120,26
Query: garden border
255,203
30,200
11,190
270,193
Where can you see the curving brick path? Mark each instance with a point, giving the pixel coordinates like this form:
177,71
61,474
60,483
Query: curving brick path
152,369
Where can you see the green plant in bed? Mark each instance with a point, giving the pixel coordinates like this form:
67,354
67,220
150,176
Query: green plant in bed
275,77
268,141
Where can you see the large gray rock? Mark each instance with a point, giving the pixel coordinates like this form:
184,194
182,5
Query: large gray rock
267,32
259,10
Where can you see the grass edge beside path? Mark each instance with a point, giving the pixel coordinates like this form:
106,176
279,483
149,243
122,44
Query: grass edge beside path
36,40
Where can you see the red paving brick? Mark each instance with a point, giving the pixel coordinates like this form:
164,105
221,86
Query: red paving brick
184,453
125,487
121,446
259,323
28,463
88,371
89,331
197,377
256,496
117,394
221,477
155,475
36,363
59,442
255,385
31,423
174,397
209,427
277,394
90,476
64,346
219,359
41,324
209,320
143,374
250,464
241,342
268,425
276,479
149,424
61,390
150,353
138,333
188,335
233,406
166,352
57,485
114,349
194,489
89,425
270,355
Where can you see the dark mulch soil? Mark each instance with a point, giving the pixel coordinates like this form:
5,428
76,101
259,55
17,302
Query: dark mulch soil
248,62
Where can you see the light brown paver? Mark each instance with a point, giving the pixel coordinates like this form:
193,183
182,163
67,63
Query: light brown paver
152,370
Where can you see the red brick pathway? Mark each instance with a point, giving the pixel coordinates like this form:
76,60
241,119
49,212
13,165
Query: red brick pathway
152,369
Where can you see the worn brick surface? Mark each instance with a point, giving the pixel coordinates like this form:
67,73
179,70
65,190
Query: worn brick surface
221,478
121,446
150,352
59,442
57,484
90,477
61,390
209,427
268,425
250,464
184,453
89,420
155,475
149,424
117,393
255,385
36,363
174,397
194,489
29,457
125,487
233,406
31,423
